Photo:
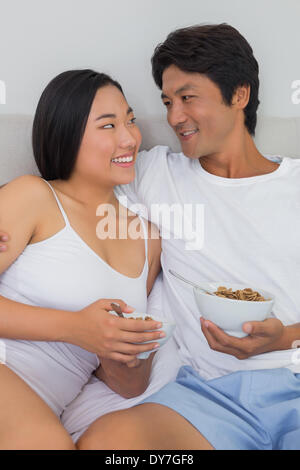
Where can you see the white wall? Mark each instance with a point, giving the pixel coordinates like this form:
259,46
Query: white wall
41,38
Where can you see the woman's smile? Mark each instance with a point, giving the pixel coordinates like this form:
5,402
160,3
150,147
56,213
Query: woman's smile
124,161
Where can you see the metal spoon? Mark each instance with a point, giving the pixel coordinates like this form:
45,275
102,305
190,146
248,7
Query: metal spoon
190,282
116,308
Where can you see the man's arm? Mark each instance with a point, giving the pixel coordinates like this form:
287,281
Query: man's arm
127,381
291,337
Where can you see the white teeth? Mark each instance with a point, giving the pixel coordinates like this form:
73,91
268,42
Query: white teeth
122,160
189,132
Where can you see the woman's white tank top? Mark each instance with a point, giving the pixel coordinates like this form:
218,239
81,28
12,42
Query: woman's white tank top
63,272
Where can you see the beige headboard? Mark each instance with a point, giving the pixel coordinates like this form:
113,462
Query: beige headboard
274,136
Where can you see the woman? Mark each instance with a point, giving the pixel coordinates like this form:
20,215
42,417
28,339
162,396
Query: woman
58,278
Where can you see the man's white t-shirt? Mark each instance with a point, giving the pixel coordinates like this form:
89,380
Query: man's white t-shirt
237,230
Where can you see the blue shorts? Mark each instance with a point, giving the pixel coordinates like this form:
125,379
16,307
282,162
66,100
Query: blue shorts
245,410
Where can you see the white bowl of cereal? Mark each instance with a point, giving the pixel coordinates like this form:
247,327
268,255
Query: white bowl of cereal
233,305
167,328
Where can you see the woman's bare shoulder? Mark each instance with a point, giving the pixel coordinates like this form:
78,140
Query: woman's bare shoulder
29,190
22,203
29,182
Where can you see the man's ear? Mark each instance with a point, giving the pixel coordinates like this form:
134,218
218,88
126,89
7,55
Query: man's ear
241,96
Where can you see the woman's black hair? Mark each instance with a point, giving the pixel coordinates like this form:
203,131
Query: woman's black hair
218,51
61,118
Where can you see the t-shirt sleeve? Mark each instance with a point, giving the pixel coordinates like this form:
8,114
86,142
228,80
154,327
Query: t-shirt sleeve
149,164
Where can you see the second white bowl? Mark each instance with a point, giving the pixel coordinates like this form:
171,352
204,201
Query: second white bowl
230,314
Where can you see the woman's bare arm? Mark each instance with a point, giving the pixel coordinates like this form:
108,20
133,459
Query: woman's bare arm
21,203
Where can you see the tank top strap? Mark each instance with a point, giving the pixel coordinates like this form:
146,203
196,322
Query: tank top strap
59,204
145,229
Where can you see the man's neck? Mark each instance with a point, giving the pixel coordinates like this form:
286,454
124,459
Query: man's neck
238,159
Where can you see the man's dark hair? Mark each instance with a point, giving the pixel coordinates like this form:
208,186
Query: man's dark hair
61,118
218,51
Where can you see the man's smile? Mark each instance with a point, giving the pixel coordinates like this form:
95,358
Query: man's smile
187,134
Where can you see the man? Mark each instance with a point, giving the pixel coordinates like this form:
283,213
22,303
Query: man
233,393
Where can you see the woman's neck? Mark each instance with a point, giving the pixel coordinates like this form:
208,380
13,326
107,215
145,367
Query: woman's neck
87,193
